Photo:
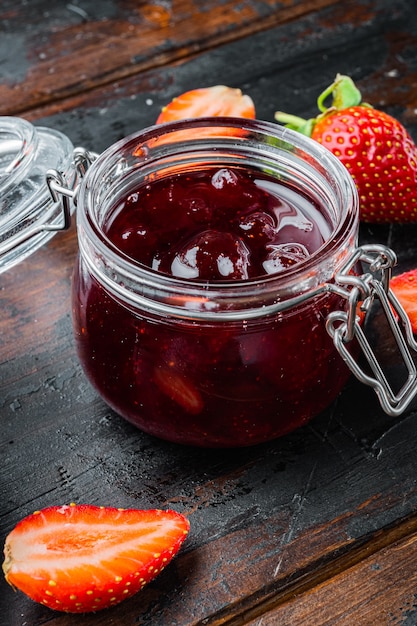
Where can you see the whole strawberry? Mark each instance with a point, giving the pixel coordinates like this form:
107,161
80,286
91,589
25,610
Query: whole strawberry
376,149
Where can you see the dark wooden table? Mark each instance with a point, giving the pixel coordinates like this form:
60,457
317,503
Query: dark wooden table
318,528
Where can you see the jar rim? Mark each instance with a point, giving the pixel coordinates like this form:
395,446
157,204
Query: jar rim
160,142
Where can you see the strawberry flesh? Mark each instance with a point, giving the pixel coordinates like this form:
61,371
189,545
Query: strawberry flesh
83,558
179,389
404,287
215,101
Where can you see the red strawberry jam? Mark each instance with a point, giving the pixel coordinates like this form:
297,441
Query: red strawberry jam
221,224
209,382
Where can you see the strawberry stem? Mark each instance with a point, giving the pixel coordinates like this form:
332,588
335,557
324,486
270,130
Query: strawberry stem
344,94
295,123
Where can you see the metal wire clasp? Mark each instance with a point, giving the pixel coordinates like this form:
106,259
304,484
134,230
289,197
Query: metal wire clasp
60,192
343,326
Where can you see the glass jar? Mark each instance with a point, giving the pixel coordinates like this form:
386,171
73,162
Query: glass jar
220,363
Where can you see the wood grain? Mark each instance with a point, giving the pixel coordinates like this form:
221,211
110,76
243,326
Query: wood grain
375,590
75,48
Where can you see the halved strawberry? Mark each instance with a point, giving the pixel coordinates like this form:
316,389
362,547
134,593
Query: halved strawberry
208,102
217,101
404,287
83,558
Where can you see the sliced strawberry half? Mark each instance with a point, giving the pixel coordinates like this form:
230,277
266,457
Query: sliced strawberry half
217,101
208,102
404,287
83,558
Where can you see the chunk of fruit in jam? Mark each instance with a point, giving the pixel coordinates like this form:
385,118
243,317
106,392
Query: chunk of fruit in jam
210,255
217,224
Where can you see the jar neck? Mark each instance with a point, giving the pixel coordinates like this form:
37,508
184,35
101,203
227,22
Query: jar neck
289,157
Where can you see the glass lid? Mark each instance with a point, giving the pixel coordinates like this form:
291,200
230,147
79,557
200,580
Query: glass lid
30,214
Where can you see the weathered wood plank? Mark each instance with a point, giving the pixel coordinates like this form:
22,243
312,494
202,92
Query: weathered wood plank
285,68
51,52
373,591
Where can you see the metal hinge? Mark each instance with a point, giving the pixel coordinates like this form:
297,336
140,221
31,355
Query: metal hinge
60,192
361,292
